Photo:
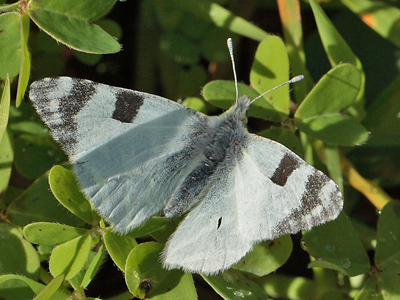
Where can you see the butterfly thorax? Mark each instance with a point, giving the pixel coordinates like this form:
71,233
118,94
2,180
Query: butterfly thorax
228,131
218,150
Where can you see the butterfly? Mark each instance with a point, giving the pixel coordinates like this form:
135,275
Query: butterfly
137,154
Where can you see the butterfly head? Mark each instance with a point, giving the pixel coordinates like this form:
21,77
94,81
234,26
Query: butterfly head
243,102
240,108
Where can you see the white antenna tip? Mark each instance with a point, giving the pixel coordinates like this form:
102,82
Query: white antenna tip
296,78
230,48
230,45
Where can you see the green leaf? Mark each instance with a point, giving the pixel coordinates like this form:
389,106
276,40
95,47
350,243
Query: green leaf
151,225
51,234
321,115
334,92
178,286
141,260
88,9
332,160
336,48
4,107
71,26
48,56
76,281
221,93
179,48
110,26
337,129
51,288
37,204
6,160
146,277
25,65
285,137
10,56
93,262
195,103
63,184
18,255
213,44
162,234
18,287
380,16
167,15
338,52
24,120
271,68
70,257
190,81
287,287
366,233
388,285
45,251
336,246
266,257
93,266
333,295
368,291
233,285
21,287
118,246
383,117
290,15
387,255
34,155
213,13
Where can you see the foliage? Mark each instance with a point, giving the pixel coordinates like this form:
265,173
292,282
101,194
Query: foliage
347,121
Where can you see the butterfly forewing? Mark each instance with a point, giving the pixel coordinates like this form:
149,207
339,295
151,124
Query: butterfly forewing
130,150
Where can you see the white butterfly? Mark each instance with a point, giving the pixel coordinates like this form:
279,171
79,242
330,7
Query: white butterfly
137,154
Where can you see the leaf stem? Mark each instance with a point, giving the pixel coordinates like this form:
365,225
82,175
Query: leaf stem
9,7
378,197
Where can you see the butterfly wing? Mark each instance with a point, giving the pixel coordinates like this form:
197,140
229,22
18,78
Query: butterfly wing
267,192
129,149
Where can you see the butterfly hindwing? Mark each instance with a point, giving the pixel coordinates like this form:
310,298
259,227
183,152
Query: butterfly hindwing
267,192
129,149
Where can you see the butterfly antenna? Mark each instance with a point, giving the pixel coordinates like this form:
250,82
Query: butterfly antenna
230,48
294,79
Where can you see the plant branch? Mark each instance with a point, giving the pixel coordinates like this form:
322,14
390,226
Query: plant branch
378,197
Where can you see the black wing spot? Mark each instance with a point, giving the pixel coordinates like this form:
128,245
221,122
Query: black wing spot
127,106
287,165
